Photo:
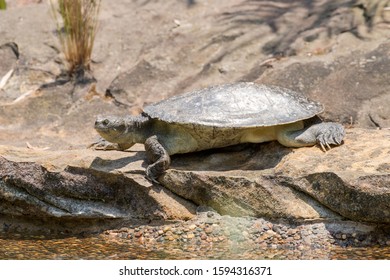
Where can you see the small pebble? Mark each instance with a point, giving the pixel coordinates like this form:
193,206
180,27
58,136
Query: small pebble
210,214
208,230
297,237
270,232
192,227
201,238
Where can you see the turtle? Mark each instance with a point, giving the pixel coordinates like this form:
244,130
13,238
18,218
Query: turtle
216,117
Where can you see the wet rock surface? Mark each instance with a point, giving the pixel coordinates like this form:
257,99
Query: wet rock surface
211,228
208,236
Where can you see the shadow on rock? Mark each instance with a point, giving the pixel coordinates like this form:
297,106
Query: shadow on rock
307,20
108,165
238,157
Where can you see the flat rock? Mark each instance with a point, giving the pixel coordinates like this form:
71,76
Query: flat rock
9,55
265,180
350,181
83,184
353,88
324,50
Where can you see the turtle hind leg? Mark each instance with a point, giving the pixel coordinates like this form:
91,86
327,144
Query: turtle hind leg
158,156
328,134
324,134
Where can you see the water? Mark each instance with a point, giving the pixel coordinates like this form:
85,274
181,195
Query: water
100,247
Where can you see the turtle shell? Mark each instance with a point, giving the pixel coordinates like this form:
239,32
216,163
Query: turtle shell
236,105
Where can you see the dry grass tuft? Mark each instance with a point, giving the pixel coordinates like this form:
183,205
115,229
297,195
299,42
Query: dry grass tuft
3,5
77,28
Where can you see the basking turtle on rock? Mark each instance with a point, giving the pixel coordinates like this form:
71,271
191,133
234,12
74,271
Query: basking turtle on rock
215,117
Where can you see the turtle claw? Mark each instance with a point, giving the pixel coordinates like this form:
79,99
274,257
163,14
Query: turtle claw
329,134
154,181
103,144
150,176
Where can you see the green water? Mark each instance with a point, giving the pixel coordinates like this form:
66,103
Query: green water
102,247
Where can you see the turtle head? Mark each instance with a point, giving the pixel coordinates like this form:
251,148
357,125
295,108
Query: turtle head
110,127
121,130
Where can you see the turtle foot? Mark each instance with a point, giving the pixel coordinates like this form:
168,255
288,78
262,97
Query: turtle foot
103,144
151,176
329,134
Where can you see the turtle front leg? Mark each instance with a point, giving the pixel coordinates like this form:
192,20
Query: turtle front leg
158,155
